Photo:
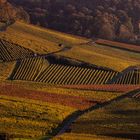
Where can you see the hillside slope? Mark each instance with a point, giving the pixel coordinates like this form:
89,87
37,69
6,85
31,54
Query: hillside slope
36,63
44,41
37,39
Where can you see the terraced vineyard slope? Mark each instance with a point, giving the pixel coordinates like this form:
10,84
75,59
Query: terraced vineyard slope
35,69
50,79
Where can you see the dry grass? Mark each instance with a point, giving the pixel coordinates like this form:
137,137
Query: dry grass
54,35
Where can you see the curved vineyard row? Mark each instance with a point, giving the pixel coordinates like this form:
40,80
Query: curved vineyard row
131,77
37,69
10,51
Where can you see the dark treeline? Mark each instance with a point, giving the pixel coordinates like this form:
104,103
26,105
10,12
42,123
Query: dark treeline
109,19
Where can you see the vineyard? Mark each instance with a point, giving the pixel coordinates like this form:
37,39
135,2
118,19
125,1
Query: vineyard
30,68
131,77
10,51
24,118
39,70
49,80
